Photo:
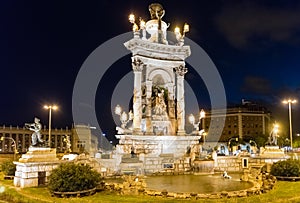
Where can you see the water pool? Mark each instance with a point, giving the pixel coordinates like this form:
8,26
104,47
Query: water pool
197,183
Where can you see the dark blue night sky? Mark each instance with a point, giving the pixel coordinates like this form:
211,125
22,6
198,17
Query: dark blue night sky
255,46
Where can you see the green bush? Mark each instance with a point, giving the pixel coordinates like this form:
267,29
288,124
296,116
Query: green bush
70,177
8,168
287,168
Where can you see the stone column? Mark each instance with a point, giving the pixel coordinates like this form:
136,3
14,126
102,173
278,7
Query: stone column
61,142
263,125
149,130
171,105
180,71
240,124
3,143
23,143
137,66
55,141
17,141
10,147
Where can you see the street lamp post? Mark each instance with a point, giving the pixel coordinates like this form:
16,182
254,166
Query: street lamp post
290,102
54,107
196,124
14,143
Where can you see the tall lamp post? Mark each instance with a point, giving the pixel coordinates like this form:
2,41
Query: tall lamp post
54,107
14,143
290,102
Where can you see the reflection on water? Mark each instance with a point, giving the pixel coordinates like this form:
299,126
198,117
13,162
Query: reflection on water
196,183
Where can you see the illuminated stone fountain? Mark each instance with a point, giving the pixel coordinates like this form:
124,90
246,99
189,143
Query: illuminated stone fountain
157,136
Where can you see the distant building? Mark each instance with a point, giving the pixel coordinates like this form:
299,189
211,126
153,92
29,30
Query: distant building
245,120
84,140
81,139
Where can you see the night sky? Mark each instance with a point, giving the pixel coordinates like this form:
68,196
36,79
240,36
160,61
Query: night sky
254,44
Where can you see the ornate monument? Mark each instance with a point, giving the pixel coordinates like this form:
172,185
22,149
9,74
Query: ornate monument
159,71
34,167
158,119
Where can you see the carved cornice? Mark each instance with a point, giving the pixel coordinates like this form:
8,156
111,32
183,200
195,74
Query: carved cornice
181,70
156,50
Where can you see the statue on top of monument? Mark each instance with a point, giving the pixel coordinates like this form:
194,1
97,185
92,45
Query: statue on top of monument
156,11
36,135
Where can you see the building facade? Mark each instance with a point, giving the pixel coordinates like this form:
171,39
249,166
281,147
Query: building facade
246,120
80,138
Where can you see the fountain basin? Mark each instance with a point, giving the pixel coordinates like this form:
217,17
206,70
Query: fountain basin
197,183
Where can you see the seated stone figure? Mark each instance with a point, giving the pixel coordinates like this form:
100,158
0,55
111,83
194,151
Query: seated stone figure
160,105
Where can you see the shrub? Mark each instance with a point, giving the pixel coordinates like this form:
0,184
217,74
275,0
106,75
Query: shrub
287,168
8,168
70,177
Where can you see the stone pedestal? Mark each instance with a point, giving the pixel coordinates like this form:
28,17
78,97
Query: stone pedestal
155,145
39,154
156,153
34,167
271,152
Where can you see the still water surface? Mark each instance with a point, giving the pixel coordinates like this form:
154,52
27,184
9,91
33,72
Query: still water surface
196,183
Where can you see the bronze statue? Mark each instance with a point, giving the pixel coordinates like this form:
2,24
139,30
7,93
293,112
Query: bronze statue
156,11
36,135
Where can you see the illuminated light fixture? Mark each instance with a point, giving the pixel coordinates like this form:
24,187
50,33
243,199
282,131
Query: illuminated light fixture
131,18
177,30
124,117
202,114
118,110
289,101
186,28
142,24
179,36
191,118
192,121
